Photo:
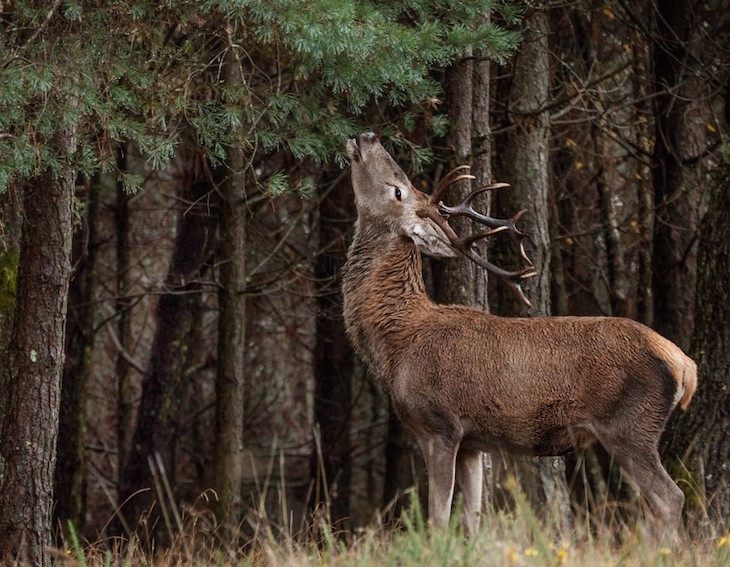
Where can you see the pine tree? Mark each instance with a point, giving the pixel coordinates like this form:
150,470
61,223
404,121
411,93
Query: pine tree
85,77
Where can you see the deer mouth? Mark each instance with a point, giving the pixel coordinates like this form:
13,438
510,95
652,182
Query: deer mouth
355,146
353,149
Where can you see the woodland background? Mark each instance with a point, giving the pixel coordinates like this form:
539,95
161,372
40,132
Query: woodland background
176,210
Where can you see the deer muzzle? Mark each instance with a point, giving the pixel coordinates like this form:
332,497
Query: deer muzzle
356,146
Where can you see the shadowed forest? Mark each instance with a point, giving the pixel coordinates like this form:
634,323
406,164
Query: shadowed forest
175,213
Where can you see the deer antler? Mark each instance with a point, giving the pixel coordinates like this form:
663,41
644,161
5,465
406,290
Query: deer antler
465,244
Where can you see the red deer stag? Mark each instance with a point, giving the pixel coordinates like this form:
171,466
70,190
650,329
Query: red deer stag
464,381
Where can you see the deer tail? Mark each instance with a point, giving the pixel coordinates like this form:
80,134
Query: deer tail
689,382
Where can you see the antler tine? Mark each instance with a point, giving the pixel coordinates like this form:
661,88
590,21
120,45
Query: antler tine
448,180
512,279
465,209
523,252
467,241
483,189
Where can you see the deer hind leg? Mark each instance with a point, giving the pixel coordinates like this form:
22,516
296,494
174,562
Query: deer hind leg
469,477
664,498
440,457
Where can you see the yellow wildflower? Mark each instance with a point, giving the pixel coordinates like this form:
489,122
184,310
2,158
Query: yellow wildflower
513,556
561,554
510,483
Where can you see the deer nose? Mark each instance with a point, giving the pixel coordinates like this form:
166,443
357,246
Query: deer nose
368,137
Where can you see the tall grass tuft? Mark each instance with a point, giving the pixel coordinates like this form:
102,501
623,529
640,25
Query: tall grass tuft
513,538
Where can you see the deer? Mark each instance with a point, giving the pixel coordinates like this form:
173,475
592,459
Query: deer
465,381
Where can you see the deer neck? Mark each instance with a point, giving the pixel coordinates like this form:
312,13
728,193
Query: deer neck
382,289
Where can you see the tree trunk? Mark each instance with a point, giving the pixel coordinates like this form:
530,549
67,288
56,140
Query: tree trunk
481,169
559,304
333,360
35,363
125,390
228,459
644,191
618,284
524,164
680,169
687,79
699,442
80,331
163,384
460,280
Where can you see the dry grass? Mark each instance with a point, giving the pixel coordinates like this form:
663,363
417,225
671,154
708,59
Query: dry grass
516,538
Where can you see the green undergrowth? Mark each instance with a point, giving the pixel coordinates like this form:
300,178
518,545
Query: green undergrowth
515,538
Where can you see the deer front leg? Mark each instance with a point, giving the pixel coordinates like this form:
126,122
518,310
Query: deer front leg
440,457
469,477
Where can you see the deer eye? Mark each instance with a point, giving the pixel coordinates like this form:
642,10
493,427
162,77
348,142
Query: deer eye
397,193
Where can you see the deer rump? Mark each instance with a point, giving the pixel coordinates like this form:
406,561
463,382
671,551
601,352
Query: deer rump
465,381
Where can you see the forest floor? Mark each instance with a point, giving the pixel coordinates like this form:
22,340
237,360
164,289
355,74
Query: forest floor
516,538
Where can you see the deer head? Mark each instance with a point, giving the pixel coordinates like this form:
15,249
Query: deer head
385,196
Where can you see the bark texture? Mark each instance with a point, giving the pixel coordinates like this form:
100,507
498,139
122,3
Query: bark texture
700,444
460,280
35,363
124,302
680,169
228,461
80,331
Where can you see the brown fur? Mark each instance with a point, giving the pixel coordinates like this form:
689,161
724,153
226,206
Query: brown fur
465,381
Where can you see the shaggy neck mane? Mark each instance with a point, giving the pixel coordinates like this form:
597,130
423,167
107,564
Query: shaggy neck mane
382,287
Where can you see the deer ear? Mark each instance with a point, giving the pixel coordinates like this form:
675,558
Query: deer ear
430,239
